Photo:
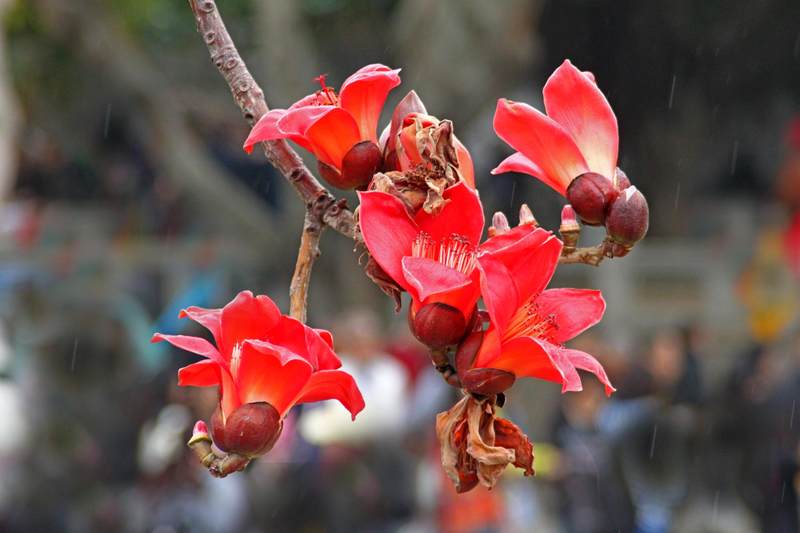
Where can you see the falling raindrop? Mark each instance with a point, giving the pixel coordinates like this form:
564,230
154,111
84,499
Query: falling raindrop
677,195
791,416
107,121
672,92
513,194
74,355
653,441
734,156
716,507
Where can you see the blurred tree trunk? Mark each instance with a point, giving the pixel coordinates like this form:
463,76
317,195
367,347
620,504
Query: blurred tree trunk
459,54
289,61
9,116
100,38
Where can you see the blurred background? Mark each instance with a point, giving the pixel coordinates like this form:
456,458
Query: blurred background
127,197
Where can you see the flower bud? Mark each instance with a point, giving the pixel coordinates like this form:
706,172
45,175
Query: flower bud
200,432
359,164
408,105
499,225
250,430
437,325
487,381
466,352
628,217
568,220
620,181
526,215
590,194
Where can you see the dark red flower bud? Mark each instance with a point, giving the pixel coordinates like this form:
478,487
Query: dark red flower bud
359,164
590,194
250,430
438,325
628,217
621,180
487,381
467,350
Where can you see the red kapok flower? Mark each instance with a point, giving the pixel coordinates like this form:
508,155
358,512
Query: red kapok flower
340,129
263,363
434,257
528,324
577,135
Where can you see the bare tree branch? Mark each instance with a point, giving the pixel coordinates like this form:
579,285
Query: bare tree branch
306,255
250,99
592,255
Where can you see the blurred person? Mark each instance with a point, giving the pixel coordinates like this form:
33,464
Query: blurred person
762,398
592,492
366,471
654,433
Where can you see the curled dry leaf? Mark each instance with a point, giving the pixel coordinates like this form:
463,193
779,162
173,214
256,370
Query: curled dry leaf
476,446
432,169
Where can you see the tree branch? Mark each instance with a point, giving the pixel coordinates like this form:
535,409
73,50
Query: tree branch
250,99
592,255
306,255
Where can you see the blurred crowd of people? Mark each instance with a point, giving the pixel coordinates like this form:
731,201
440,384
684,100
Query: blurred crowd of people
95,440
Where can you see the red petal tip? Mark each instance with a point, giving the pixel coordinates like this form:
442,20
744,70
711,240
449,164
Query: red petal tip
200,428
568,215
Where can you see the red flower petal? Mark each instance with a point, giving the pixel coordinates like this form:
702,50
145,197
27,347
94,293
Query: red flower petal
542,140
267,129
208,318
513,274
326,336
203,373
430,281
584,361
526,357
499,292
489,350
574,310
247,317
465,165
304,341
266,372
320,343
312,99
517,162
388,231
462,216
573,100
333,385
332,136
363,95
514,237
410,103
193,344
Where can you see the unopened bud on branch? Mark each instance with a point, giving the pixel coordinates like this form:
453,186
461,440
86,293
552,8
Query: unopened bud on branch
251,430
438,325
590,194
628,217
359,164
526,215
499,224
